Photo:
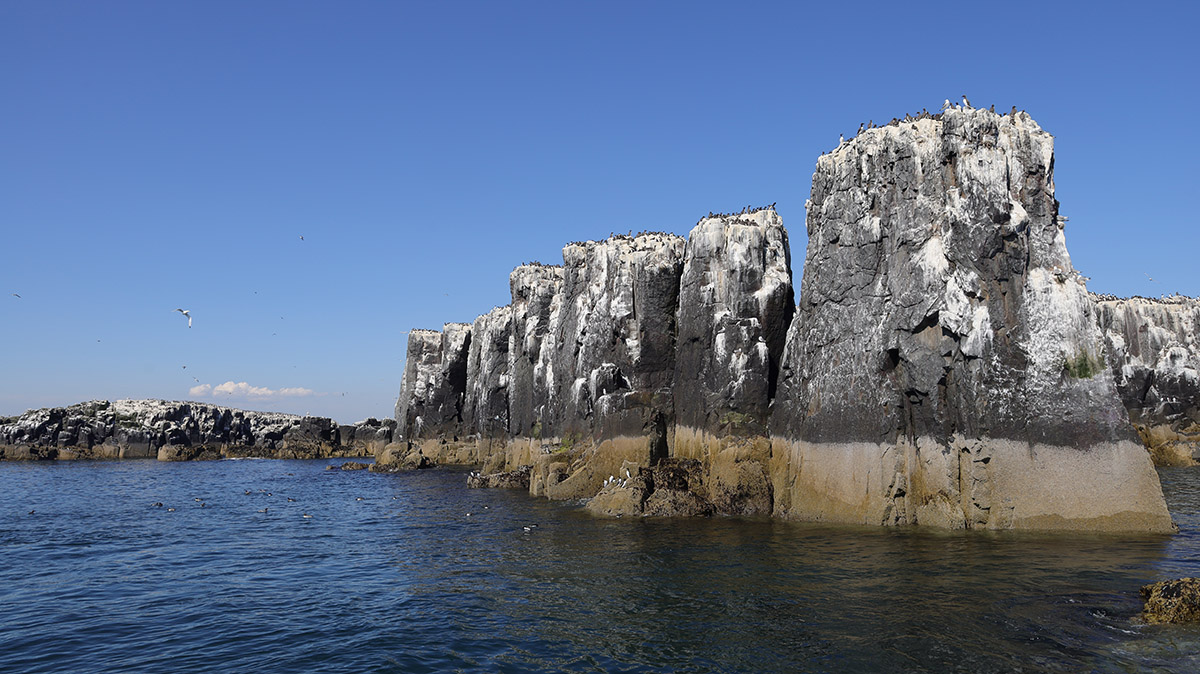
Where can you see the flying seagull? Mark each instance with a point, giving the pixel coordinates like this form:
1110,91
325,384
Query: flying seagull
16,296
301,237
1149,277
187,313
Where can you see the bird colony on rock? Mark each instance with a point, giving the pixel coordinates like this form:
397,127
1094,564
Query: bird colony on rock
944,365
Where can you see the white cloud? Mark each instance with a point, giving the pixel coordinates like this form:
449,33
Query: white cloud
241,389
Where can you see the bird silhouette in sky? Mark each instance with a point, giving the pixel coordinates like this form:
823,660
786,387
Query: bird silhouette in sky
187,313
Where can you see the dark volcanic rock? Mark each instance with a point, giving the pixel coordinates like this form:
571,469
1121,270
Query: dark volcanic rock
669,488
944,366
486,407
1155,358
432,394
1172,601
512,479
169,431
536,294
735,306
615,330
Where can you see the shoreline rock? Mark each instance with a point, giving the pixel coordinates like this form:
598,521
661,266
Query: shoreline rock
181,431
1172,601
944,366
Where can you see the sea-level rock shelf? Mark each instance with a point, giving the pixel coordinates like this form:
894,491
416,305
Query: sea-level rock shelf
945,364
180,431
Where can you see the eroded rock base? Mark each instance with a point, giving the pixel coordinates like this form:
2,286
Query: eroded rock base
970,484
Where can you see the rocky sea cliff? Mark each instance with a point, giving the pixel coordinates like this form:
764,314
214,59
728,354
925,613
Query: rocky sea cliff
945,364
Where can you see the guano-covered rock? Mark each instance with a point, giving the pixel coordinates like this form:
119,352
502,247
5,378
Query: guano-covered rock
944,366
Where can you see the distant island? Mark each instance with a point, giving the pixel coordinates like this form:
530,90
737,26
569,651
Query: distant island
181,431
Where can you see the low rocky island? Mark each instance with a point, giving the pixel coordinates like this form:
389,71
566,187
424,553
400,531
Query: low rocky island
181,431
945,364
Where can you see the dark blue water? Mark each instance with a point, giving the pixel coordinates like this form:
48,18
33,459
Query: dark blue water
424,575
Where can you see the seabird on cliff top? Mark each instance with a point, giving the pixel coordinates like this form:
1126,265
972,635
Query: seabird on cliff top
187,313
946,105
966,103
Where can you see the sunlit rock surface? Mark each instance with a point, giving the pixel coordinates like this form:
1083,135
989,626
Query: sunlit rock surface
735,306
944,366
432,394
1155,358
179,431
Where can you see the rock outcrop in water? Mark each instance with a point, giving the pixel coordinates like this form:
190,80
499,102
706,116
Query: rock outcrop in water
1155,358
179,431
944,366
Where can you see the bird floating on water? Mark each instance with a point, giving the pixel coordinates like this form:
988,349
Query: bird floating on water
187,313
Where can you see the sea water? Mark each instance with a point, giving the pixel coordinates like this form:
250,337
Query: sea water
414,572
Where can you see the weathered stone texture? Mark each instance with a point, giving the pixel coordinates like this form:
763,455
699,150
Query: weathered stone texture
614,336
536,295
1172,601
432,393
944,343
1154,353
486,406
735,306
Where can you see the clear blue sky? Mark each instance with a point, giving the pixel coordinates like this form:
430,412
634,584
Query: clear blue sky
163,155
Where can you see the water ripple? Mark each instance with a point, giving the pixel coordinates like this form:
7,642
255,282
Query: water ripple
391,574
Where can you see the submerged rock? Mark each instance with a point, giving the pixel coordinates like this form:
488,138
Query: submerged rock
1172,601
735,306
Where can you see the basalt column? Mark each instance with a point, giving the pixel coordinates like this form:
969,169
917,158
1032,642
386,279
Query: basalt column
536,297
1154,351
429,408
735,305
486,412
944,366
609,359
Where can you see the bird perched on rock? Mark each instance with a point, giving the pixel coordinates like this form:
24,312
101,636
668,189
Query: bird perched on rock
946,106
188,314
966,103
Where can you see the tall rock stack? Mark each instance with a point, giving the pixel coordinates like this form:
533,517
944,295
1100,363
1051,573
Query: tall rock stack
1154,350
486,410
432,394
735,305
610,364
536,298
944,366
